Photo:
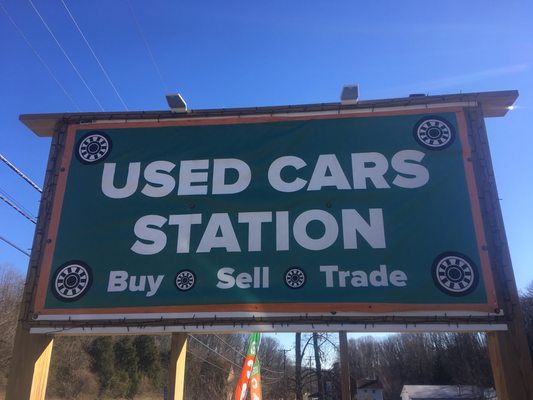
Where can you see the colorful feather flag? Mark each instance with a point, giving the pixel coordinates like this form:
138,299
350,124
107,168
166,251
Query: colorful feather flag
251,355
255,381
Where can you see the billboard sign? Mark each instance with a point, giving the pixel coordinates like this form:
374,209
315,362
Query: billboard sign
356,213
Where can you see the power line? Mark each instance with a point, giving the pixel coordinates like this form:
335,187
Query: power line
22,212
94,55
230,346
14,245
204,360
227,359
243,355
237,351
273,372
214,351
65,54
39,58
147,45
20,173
5,194
224,370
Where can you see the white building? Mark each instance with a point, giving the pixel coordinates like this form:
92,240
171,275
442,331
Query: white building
446,392
369,389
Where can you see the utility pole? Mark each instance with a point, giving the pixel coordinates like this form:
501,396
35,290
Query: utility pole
285,351
284,366
345,366
311,374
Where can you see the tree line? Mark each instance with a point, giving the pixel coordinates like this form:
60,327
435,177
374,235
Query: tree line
422,359
128,367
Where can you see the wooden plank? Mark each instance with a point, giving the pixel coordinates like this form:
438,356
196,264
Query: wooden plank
345,366
176,369
30,364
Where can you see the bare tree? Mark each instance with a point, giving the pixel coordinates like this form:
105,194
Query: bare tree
71,374
210,360
298,356
325,350
273,382
318,366
423,359
11,284
526,302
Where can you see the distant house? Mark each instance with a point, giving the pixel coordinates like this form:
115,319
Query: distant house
369,389
446,392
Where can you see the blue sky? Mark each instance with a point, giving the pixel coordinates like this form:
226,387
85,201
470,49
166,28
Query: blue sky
248,53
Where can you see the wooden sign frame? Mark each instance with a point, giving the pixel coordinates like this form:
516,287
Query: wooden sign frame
507,344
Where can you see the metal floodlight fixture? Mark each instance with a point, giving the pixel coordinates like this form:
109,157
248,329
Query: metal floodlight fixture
176,103
349,94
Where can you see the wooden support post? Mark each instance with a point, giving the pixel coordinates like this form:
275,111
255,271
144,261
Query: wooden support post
176,370
345,366
509,353
511,366
29,366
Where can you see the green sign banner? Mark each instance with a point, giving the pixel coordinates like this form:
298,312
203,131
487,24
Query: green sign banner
352,213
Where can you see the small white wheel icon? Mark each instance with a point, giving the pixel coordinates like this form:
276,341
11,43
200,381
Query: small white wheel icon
434,133
93,147
455,274
71,281
185,280
295,278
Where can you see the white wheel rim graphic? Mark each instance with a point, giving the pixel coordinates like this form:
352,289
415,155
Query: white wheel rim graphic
93,148
295,278
72,281
185,280
455,274
434,133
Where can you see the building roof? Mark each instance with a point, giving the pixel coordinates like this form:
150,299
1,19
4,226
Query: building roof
444,392
369,383
493,104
